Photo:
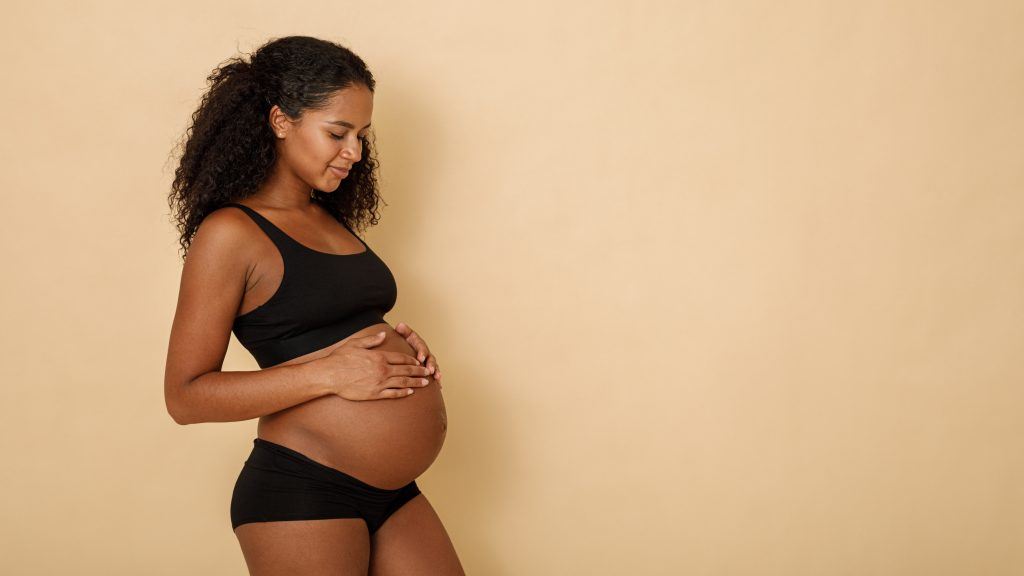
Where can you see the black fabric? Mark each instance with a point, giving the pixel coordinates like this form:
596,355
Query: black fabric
278,483
323,298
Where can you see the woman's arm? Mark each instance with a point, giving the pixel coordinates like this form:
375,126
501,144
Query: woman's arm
213,280
242,395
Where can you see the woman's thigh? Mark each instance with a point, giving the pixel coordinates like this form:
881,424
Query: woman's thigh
413,541
334,547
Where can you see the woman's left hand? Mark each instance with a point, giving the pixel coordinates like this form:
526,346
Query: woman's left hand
421,349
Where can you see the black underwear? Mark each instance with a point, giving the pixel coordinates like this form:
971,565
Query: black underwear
278,483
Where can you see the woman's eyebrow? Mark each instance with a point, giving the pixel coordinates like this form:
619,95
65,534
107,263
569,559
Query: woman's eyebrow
345,124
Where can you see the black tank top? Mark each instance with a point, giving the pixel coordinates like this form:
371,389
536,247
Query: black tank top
322,299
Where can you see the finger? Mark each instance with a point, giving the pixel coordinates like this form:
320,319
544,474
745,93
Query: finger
412,337
367,341
407,381
396,392
407,370
432,363
415,341
419,345
394,357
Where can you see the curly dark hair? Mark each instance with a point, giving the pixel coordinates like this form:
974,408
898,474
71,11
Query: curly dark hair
228,151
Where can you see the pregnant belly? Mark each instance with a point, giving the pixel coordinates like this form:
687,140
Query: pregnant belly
386,443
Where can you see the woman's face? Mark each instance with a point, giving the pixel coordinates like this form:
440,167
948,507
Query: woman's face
324,144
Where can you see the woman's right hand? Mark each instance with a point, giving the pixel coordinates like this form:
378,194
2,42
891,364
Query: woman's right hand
355,372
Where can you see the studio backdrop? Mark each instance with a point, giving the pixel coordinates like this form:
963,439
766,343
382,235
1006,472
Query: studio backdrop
717,288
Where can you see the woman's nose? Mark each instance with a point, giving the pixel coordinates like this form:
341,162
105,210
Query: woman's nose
351,154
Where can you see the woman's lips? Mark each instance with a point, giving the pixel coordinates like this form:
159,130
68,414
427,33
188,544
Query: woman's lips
339,171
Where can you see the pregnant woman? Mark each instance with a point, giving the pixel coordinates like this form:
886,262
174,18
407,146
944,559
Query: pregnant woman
275,174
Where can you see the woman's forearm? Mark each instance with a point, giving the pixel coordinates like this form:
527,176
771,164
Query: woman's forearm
243,395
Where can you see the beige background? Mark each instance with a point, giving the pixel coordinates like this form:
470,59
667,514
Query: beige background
717,287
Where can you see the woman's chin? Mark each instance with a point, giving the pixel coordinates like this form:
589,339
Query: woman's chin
330,185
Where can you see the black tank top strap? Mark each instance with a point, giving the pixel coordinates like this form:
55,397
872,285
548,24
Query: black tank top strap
280,239
353,232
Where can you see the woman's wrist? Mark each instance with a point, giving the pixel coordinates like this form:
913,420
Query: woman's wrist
311,373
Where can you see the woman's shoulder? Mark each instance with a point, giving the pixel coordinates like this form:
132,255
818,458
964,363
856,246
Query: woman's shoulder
224,232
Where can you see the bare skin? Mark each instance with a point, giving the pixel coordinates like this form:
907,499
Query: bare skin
385,442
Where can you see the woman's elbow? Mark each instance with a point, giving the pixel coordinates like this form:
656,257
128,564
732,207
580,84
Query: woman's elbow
175,408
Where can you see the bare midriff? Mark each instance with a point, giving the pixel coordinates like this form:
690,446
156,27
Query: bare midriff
386,443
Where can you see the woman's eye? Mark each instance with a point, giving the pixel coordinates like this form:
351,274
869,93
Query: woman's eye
342,136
